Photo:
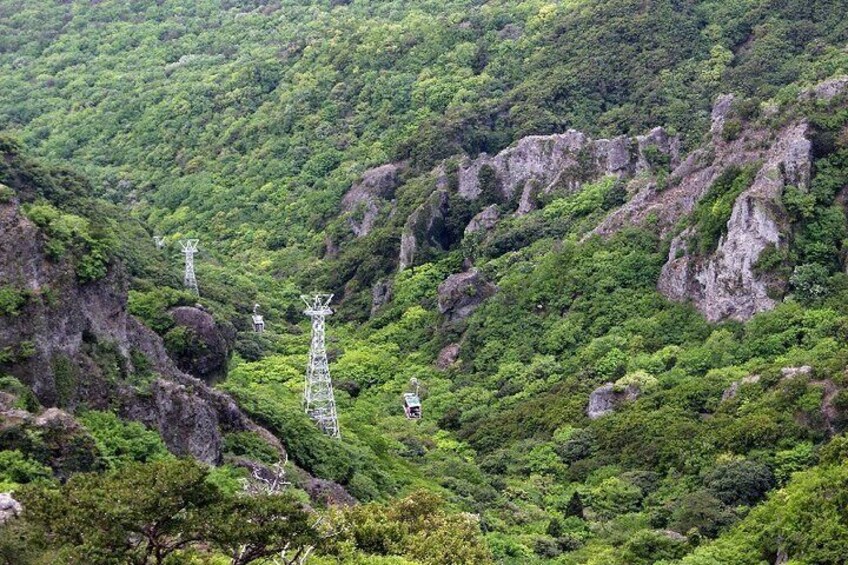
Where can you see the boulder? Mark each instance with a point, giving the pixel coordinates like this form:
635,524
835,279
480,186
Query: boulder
327,493
447,356
485,220
65,446
9,507
606,398
206,350
461,293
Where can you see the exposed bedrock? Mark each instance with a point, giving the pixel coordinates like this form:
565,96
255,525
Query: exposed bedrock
368,198
538,164
725,284
75,345
462,293
208,344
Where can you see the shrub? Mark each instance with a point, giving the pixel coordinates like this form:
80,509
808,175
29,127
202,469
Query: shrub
250,445
740,482
17,469
713,211
121,443
701,511
810,282
12,299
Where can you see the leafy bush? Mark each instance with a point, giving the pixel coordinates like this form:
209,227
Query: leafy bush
810,282
120,442
12,299
740,482
713,210
17,469
250,445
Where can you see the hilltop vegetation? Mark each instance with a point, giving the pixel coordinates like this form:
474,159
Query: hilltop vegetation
246,123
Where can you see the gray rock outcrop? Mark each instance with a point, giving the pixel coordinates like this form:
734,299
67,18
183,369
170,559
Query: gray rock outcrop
77,344
792,372
381,294
425,227
724,285
367,198
485,220
606,398
462,293
826,90
209,347
447,356
538,164
9,507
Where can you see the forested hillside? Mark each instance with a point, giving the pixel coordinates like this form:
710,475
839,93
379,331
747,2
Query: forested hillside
607,239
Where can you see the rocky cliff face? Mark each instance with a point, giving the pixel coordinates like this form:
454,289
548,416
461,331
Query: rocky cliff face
690,179
367,198
539,164
663,191
425,227
517,176
75,345
209,344
462,293
725,284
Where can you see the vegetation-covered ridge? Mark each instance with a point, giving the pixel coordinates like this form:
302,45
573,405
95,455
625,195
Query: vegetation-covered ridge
247,121
572,413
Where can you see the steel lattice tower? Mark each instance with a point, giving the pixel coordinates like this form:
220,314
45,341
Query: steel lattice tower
318,396
189,249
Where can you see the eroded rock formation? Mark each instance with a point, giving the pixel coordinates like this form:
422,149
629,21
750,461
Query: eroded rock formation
462,293
75,344
367,198
538,164
425,227
725,284
208,344
606,398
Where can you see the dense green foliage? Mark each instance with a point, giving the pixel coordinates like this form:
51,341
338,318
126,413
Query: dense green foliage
171,511
244,123
248,120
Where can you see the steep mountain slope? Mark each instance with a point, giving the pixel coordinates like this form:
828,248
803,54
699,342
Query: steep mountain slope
248,120
606,238
66,332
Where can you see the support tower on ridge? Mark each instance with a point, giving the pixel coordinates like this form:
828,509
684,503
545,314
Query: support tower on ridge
189,249
318,398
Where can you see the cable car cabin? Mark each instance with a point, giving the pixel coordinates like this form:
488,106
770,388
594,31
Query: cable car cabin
412,406
258,323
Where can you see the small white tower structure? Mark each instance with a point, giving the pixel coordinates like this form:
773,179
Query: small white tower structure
318,399
258,320
189,249
159,240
